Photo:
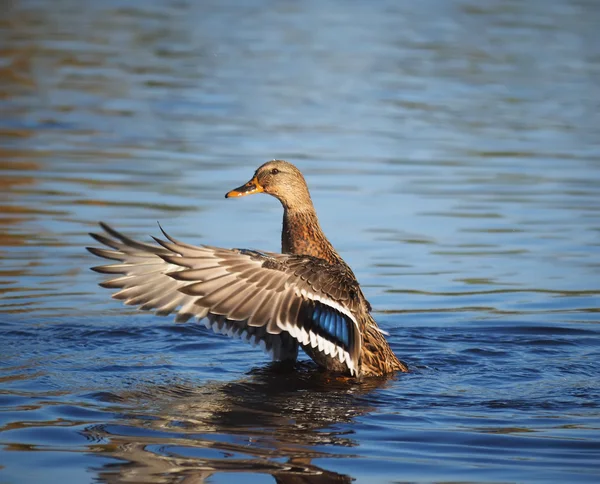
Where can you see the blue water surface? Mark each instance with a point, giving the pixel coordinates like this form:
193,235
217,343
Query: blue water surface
452,149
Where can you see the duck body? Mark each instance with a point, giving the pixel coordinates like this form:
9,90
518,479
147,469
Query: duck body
306,296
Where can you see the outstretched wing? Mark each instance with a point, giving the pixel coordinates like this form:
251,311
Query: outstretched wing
275,300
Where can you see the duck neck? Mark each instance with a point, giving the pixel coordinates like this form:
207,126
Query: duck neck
302,235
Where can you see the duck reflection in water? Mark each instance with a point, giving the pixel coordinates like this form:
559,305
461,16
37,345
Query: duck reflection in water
273,422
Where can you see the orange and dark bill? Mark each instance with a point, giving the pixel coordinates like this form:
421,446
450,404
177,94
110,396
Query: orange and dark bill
247,189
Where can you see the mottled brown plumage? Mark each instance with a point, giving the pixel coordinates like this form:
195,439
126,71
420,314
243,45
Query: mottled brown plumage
301,234
306,296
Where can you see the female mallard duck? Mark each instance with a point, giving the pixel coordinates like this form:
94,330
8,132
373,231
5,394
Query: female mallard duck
305,296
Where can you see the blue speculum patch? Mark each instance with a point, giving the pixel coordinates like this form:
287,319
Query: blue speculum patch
331,322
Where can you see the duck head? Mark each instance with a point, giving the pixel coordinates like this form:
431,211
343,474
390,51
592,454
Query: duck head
279,179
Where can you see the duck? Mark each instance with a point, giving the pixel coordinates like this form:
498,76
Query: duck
305,297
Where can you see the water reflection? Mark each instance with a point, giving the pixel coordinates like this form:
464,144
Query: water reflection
274,422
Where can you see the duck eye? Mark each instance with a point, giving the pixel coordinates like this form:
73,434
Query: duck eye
274,171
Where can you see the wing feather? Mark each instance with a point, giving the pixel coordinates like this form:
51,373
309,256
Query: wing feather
265,298
189,275
209,285
262,309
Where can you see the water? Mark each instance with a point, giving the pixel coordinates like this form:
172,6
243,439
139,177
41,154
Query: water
453,153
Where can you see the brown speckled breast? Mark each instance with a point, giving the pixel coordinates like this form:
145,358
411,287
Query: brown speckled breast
302,235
